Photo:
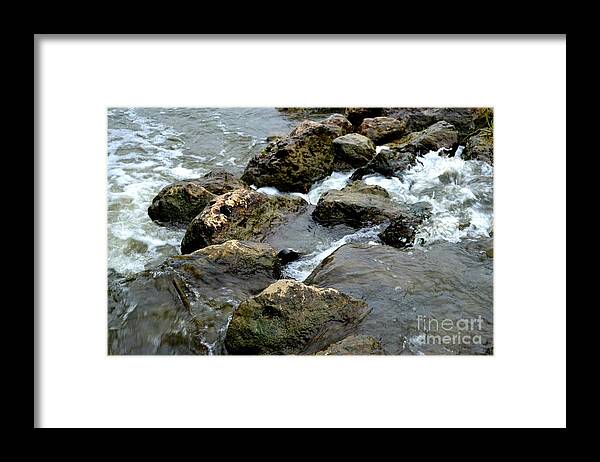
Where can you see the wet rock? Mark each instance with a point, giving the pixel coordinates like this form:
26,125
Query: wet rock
354,345
179,202
357,114
401,232
357,205
480,146
288,256
489,252
406,287
353,150
182,306
242,214
465,120
294,163
289,317
399,155
381,129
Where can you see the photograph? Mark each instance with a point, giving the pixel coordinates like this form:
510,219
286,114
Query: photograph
300,230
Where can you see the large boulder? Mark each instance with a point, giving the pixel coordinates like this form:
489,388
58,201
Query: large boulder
354,345
381,129
396,156
480,146
183,305
242,214
289,317
405,288
353,150
294,163
402,231
357,205
178,203
465,120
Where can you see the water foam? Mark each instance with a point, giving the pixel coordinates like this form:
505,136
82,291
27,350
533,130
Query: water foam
459,191
302,268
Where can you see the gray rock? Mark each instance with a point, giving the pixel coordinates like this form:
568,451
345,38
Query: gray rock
289,317
242,214
353,149
183,306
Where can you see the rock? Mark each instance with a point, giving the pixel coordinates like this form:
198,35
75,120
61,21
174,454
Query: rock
289,317
354,345
288,255
183,306
402,230
294,163
357,114
465,120
444,281
399,155
242,214
381,129
489,252
179,202
339,124
353,150
304,111
480,146
357,205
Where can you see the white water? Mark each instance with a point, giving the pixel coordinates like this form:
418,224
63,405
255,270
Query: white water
337,180
300,269
459,191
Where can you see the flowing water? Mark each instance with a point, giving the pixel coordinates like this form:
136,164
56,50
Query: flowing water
149,148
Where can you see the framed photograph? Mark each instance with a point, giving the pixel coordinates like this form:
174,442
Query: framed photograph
292,241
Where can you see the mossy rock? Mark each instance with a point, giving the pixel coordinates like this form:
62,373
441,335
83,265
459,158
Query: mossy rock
480,146
182,306
242,214
178,203
357,205
289,317
294,163
353,150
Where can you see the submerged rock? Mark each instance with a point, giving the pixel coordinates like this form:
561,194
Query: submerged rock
294,163
289,317
401,232
179,202
381,129
242,214
354,345
288,256
182,306
480,146
353,150
399,155
357,205
408,287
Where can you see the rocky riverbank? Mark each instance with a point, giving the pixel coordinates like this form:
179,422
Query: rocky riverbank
352,176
